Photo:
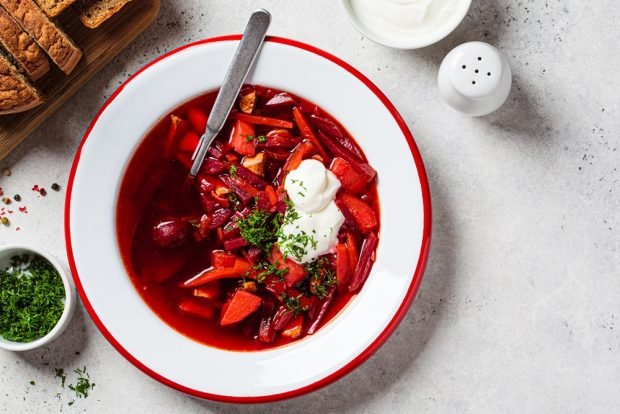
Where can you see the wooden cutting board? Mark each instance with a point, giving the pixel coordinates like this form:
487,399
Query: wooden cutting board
99,45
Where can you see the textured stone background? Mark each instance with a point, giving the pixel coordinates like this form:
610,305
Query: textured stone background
518,309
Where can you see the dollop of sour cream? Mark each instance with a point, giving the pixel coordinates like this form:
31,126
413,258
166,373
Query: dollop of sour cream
400,20
312,220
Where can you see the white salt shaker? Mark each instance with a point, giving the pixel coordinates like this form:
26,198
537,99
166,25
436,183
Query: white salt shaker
475,78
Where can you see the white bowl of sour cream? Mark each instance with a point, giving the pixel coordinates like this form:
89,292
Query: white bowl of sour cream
406,24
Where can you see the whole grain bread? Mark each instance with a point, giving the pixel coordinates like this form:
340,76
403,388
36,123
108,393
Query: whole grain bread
54,7
16,93
94,12
52,39
23,48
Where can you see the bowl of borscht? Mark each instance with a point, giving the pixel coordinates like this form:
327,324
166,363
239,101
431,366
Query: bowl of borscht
291,256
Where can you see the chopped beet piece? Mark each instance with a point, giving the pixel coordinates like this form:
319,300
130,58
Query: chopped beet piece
171,233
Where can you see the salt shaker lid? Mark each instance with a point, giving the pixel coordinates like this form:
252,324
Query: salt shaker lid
475,78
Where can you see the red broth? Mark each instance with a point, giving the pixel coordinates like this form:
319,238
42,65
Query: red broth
169,236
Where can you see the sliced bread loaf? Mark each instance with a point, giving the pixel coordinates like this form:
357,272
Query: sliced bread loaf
53,40
94,12
19,43
54,7
16,92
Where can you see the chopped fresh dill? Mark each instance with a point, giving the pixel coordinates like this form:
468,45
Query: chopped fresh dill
260,229
296,244
233,171
265,269
293,303
83,385
31,298
60,373
322,277
260,139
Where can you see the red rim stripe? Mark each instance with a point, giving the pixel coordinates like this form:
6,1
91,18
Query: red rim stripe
383,336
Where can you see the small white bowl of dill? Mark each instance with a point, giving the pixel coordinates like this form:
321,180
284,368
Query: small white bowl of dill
37,297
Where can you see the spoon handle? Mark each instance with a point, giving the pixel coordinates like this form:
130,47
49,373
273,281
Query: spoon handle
242,61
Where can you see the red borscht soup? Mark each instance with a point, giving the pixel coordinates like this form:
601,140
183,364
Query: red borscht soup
269,241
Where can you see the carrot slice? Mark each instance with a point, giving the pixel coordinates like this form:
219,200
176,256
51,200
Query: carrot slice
239,138
197,309
242,305
302,151
351,180
364,217
343,270
261,120
352,249
238,270
295,272
308,133
271,195
220,259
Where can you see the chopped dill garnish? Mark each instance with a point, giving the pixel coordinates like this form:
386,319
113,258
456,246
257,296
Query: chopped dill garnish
296,245
31,299
260,139
60,373
233,171
265,269
293,303
83,385
260,229
322,277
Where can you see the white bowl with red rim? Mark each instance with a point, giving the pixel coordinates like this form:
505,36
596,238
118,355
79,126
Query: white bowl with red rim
338,347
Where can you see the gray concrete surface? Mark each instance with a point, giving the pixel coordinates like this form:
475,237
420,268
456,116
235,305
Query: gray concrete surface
519,307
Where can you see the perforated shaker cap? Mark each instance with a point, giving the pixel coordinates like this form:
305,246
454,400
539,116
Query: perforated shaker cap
475,78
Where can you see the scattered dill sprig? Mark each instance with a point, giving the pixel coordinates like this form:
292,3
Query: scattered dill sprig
83,385
60,373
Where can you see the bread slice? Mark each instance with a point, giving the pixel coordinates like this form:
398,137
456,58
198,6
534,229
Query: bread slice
94,12
54,7
54,41
23,48
16,93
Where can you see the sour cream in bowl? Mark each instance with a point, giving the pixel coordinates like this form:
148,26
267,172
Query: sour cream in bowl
406,24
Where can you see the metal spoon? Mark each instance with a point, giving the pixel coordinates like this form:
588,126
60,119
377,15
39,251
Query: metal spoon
244,57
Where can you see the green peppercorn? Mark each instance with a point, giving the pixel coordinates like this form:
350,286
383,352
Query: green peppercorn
4,221
6,200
